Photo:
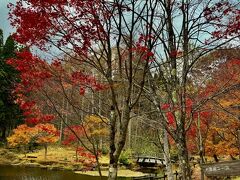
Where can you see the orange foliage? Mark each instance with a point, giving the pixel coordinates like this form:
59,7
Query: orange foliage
46,133
222,138
41,133
22,135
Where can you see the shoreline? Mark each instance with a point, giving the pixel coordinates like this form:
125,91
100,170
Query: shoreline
8,158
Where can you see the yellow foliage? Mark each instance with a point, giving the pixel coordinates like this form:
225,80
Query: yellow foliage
96,119
96,125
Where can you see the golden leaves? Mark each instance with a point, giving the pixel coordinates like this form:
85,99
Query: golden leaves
96,125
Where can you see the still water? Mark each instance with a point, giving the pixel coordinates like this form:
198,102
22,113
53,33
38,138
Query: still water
21,173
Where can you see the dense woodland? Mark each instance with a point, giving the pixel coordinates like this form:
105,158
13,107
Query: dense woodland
157,77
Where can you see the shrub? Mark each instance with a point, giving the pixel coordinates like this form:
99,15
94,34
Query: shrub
125,157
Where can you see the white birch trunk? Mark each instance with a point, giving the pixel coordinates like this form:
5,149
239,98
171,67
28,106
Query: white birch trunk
112,173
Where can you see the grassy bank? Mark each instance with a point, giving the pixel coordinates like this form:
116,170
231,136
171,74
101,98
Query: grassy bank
58,158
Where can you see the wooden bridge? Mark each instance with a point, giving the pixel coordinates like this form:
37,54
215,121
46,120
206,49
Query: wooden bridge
149,161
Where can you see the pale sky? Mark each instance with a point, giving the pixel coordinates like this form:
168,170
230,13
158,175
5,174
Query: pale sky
4,22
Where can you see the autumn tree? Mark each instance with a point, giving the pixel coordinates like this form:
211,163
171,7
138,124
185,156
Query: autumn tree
43,134
224,125
94,129
71,139
97,128
46,134
21,136
87,31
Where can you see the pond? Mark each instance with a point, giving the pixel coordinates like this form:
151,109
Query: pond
21,173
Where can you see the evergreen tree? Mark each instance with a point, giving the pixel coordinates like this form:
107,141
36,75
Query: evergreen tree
10,113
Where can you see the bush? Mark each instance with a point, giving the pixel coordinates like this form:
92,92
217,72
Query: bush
125,157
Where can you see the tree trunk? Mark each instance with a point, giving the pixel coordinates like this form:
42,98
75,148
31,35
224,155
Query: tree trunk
45,152
24,148
112,173
99,167
117,144
185,170
200,145
76,154
239,142
215,158
61,132
4,129
167,156
129,134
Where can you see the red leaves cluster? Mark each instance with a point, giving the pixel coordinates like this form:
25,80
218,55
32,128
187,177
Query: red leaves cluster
226,75
226,18
41,21
36,74
175,54
191,133
83,153
170,118
86,158
169,111
69,134
35,116
142,49
47,128
33,73
213,12
86,81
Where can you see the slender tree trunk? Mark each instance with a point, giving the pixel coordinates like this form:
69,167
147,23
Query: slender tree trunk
45,151
129,134
112,172
215,158
98,166
200,142
24,148
167,155
61,132
113,166
61,123
239,142
101,142
76,153
4,129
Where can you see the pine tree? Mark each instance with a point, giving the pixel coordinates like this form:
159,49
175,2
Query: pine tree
10,113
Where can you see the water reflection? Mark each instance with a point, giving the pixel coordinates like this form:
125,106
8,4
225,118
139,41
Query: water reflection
20,173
